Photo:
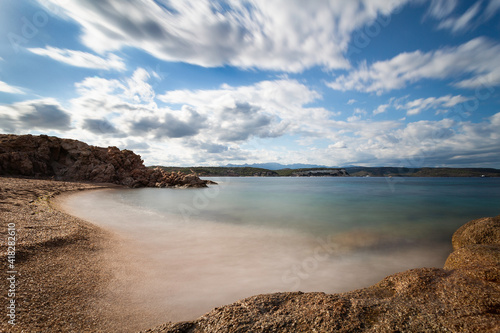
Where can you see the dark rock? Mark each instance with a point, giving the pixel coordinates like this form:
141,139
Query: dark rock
71,160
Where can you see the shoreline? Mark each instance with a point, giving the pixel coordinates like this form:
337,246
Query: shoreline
63,278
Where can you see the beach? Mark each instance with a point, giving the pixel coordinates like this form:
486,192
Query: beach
59,271
72,276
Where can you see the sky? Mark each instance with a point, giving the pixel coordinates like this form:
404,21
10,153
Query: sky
207,83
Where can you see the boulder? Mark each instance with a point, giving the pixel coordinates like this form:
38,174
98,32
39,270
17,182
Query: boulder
484,231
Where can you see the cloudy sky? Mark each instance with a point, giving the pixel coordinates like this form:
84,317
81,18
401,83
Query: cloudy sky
374,82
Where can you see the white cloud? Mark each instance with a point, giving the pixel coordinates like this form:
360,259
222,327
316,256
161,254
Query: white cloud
413,107
416,106
492,8
217,123
81,59
422,143
474,64
381,109
138,89
442,11
338,145
240,124
6,88
278,106
275,35
463,22
441,8
351,101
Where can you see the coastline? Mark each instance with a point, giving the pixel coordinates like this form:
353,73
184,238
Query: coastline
62,280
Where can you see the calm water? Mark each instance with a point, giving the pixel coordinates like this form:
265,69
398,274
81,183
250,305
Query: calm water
187,251
430,208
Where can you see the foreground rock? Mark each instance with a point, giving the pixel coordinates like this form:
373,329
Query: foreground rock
462,297
71,160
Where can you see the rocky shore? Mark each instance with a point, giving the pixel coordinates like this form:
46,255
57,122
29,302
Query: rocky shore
71,160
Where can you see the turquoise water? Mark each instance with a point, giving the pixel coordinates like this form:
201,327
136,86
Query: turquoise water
421,208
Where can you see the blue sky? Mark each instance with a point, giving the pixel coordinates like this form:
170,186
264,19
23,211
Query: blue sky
373,83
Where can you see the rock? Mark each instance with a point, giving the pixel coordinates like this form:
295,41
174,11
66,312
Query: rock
481,231
477,249
479,261
71,160
463,297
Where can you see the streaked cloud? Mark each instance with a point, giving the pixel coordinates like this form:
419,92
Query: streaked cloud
440,9
471,65
418,105
81,59
274,35
6,88
462,22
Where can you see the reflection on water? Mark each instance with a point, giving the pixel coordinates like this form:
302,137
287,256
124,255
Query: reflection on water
184,252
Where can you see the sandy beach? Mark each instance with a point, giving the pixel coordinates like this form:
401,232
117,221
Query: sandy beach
70,275
59,265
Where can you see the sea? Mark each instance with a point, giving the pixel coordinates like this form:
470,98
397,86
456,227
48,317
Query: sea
187,251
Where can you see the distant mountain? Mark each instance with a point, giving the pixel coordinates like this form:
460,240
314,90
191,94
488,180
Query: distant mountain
276,166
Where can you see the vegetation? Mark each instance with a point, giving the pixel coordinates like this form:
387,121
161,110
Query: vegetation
223,171
290,172
352,171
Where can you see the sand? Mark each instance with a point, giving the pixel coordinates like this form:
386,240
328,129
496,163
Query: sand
59,269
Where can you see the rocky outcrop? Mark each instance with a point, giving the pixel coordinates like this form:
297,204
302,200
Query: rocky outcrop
321,173
71,160
462,297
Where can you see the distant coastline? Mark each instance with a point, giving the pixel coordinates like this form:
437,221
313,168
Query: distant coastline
247,171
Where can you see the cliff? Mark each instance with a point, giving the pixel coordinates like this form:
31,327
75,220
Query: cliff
462,297
71,160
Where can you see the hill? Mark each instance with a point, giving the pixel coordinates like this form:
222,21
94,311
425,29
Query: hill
355,171
422,172
256,172
277,166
